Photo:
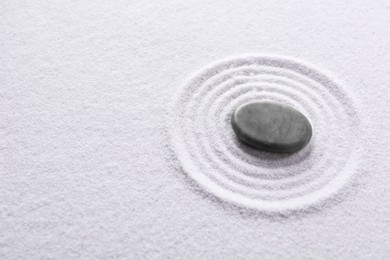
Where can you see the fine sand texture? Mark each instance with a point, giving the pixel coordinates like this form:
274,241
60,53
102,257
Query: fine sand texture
116,140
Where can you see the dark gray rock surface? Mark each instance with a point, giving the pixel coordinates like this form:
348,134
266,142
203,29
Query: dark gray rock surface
271,127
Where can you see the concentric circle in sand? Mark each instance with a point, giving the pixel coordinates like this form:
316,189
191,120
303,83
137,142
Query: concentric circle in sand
211,155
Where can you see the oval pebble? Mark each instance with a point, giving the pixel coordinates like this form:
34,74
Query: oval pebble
271,127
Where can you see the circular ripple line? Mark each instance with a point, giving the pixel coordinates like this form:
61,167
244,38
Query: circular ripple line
227,90
236,187
237,179
224,91
232,158
211,155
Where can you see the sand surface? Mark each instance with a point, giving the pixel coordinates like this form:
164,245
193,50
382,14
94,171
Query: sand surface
116,141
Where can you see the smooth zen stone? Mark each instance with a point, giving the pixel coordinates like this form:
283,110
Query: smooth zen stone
271,127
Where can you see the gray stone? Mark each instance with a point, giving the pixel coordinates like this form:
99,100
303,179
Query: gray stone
271,127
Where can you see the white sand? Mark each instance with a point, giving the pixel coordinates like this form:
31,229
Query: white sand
91,169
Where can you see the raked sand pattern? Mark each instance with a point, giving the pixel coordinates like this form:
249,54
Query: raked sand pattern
210,153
